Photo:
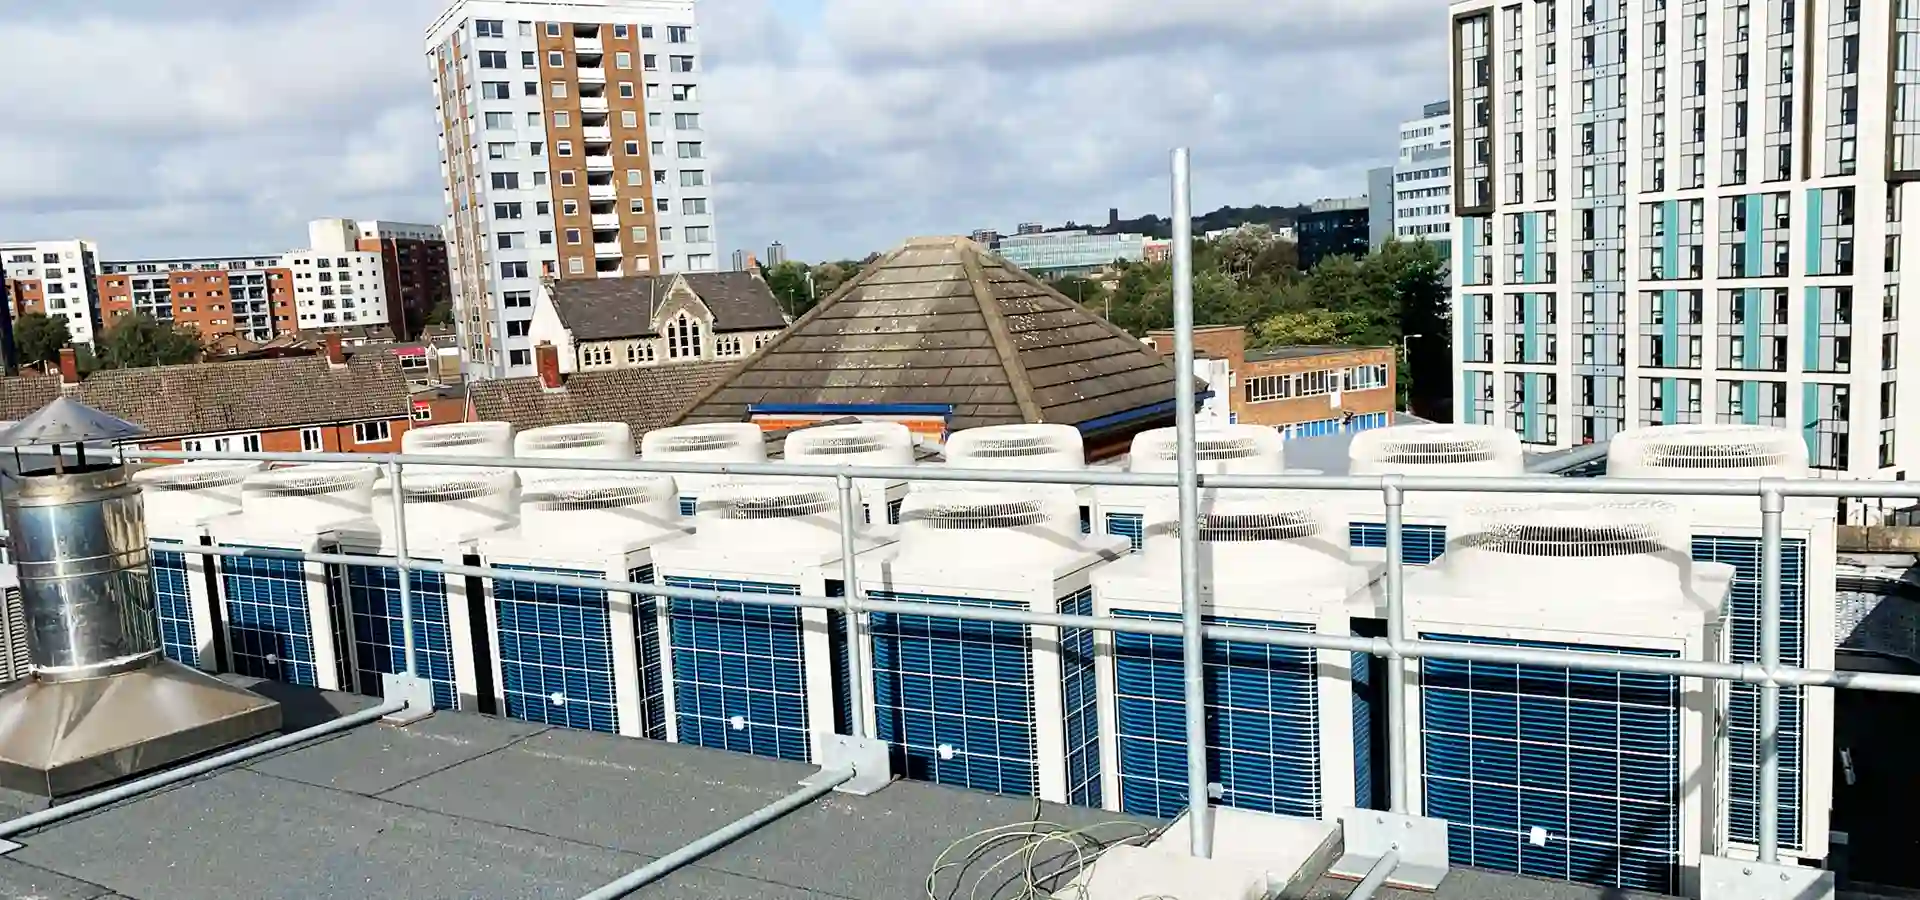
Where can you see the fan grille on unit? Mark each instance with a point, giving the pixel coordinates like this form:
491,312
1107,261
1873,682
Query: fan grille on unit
1571,541
1434,453
449,491
1732,455
698,443
779,506
1011,447
565,440
192,480
845,446
1223,528
587,497
981,516
308,484
1213,448
449,440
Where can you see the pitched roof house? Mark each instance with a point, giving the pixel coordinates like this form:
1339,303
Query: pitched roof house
612,323
644,397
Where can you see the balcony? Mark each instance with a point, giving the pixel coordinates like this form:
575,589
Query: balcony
606,220
593,104
610,273
592,75
600,162
608,249
597,133
603,192
587,45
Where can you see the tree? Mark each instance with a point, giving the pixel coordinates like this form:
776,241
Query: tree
136,340
788,281
37,338
441,313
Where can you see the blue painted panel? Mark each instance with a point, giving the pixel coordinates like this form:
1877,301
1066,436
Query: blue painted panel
1263,722
1590,758
739,676
174,604
269,625
954,699
379,631
1080,693
1419,544
556,652
1131,526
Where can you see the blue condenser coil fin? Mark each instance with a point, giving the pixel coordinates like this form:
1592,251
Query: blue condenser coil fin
174,603
739,676
379,632
646,623
1590,759
1080,694
268,620
1131,526
1419,544
556,652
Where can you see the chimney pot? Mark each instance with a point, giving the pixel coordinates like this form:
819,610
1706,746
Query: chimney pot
336,355
69,366
546,359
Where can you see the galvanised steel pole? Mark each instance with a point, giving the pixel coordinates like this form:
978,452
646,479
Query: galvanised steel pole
1397,772
1193,654
850,607
401,562
1772,505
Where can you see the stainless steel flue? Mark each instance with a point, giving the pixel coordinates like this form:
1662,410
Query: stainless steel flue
102,702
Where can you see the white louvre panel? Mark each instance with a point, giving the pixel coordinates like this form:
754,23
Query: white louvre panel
1247,530
179,499
306,499
881,444
591,509
585,440
15,659
487,439
797,514
1707,451
1611,549
1435,450
449,505
1010,525
723,442
1047,447
1236,449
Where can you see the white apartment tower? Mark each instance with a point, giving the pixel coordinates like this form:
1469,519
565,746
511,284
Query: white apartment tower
58,278
1423,177
1668,211
572,147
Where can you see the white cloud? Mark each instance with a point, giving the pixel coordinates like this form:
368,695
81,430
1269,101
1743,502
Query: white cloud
220,126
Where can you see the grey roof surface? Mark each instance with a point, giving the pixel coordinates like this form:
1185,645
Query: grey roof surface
944,321
466,806
1300,351
597,309
644,397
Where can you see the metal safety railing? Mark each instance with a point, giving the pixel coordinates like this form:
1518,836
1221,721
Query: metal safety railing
1770,495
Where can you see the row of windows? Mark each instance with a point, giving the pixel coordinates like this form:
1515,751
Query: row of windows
312,440
497,28
1262,388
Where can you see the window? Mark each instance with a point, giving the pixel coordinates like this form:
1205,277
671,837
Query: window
699,234
423,413
559,89
372,432
654,120
520,357
536,148
556,59
637,205
653,90
683,92
573,235
499,149
691,150
519,328
569,207
680,64
499,120
639,234
679,34
649,61
640,354
250,443
623,60
529,60
693,178
546,238
683,337
553,29
631,148
657,149
508,240
636,177
563,148
629,119
619,31
566,177
532,89
662,204
518,299
646,31
694,206
626,90
576,266
506,181
561,119
513,270
312,440
493,59
489,28
686,121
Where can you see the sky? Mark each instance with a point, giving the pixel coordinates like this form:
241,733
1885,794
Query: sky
838,127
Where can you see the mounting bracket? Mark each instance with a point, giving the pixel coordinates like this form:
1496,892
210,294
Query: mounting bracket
1420,841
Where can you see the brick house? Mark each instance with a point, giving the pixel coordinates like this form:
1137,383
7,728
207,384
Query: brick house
321,403
1303,391
655,320
645,397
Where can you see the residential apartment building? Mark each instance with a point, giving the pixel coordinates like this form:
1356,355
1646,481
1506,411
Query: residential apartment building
1413,198
572,148
1074,252
414,261
336,283
57,278
250,296
1668,212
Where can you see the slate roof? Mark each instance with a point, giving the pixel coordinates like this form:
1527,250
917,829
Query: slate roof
945,321
598,309
227,397
645,398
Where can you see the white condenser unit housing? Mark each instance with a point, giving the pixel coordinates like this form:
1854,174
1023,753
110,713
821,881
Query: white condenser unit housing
447,509
1290,731
486,439
578,657
287,620
720,442
1223,450
1727,530
990,706
1449,450
180,500
1590,776
884,444
748,677
1028,447
585,440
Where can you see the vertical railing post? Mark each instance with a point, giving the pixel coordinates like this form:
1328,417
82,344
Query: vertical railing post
1193,654
400,564
1772,507
1398,774
850,607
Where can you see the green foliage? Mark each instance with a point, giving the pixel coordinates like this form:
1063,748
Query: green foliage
789,283
136,340
37,338
441,313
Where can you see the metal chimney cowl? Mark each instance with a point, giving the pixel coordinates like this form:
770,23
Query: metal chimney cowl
102,702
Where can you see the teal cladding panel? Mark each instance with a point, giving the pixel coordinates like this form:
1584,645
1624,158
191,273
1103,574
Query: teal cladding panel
1814,198
1756,203
1670,305
1750,402
1810,330
1672,242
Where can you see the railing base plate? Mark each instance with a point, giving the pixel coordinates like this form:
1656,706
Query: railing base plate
1731,879
1420,841
418,692
869,759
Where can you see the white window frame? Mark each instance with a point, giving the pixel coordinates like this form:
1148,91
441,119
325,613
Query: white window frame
381,428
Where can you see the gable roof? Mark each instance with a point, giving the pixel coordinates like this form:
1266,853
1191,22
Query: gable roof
227,397
598,309
943,321
645,398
